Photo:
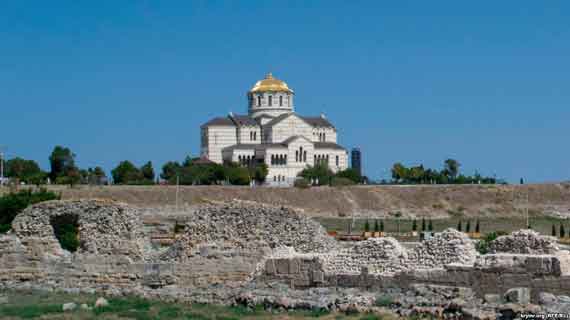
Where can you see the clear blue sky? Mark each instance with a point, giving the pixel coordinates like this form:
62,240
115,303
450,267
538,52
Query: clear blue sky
485,82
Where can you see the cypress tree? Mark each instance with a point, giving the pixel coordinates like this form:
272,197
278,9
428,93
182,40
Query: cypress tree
366,226
562,231
382,226
468,226
414,225
553,230
459,227
376,226
477,229
423,224
430,225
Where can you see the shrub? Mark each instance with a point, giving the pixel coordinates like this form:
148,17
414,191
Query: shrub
66,231
341,181
477,228
376,226
14,203
302,183
383,301
483,245
459,228
366,226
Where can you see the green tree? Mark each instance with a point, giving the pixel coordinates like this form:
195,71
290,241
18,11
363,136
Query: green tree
459,227
351,174
126,173
23,170
451,168
62,161
553,230
238,175
399,172
414,225
366,226
170,170
382,226
423,224
477,228
562,231
468,226
376,226
259,172
320,173
430,225
147,171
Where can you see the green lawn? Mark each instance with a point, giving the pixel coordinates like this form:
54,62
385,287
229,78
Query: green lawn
41,305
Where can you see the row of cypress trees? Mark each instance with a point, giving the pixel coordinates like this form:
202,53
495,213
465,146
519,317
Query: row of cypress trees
562,233
379,226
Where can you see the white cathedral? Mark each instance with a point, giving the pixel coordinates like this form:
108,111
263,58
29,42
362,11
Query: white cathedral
273,133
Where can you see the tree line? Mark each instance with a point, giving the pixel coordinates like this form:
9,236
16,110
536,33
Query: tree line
449,174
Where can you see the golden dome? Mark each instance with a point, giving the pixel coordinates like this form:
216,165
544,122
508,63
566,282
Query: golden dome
270,84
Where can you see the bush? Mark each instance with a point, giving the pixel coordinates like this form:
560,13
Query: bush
14,203
66,230
383,301
483,245
340,181
302,183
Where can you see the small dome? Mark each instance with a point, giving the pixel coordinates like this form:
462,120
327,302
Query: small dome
270,84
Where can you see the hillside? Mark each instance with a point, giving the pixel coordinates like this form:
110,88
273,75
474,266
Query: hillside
369,201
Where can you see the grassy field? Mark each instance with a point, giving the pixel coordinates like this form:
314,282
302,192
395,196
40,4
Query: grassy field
35,305
487,224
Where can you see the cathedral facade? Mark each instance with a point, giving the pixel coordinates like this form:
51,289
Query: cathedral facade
274,134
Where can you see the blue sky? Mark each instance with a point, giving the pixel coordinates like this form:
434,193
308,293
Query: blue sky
484,82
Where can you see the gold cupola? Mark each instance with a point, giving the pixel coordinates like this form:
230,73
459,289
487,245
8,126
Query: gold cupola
270,84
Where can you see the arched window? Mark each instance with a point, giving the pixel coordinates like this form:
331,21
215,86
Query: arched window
285,159
297,156
336,161
304,156
274,178
255,136
280,101
270,103
259,101
324,137
272,159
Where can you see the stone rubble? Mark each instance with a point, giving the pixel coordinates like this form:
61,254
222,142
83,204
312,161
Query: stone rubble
524,242
449,246
251,226
105,227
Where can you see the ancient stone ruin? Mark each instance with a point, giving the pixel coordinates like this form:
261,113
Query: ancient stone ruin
247,253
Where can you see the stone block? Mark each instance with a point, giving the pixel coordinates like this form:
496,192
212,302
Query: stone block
294,266
318,276
518,295
270,267
282,266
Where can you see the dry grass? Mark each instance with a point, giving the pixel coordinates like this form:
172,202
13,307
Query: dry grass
371,201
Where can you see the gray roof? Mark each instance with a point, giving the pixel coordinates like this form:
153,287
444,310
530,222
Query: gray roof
312,121
254,146
328,145
318,122
219,121
244,120
232,120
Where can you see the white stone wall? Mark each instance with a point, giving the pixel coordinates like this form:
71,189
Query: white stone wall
245,137
275,108
333,153
291,126
218,138
328,133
